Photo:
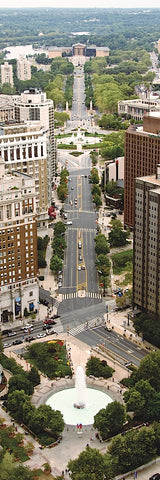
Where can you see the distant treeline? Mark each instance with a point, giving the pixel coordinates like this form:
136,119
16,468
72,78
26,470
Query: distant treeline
115,28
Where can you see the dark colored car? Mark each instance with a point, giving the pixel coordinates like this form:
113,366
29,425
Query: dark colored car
55,316
17,342
155,476
47,326
5,332
29,339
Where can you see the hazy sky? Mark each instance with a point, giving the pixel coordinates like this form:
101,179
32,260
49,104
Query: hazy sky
82,3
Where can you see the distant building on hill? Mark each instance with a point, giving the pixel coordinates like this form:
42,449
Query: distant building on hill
6,74
79,49
23,69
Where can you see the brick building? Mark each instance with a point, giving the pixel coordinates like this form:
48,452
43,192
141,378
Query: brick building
146,265
142,155
18,245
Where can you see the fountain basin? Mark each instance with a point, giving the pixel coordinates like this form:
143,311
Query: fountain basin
64,401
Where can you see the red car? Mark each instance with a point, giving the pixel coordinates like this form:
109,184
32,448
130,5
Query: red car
29,339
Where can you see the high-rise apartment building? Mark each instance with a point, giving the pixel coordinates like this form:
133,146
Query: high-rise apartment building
142,155
33,105
18,245
25,148
6,73
23,69
146,265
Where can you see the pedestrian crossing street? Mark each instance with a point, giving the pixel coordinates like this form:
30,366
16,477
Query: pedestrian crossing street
66,296
95,322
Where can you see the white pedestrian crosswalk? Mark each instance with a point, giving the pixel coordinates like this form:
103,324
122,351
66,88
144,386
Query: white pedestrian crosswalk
66,296
95,322
82,229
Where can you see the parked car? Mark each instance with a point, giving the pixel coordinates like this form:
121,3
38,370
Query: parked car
51,332
11,334
17,342
6,345
155,476
41,335
27,329
49,321
29,339
69,222
5,332
47,326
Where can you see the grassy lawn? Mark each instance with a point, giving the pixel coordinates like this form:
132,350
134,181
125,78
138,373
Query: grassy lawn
123,265
122,262
64,146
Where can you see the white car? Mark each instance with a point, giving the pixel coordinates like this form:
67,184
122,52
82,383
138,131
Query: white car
69,222
11,334
79,267
6,345
41,335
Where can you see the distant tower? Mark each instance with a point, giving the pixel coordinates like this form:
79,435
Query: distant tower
23,69
6,74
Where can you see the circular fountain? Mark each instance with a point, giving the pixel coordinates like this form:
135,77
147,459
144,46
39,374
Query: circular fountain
80,404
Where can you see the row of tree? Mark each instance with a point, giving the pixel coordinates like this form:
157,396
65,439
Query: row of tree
95,190
41,248
59,245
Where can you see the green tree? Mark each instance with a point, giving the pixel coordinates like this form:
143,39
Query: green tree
89,465
18,403
101,246
34,376
110,420
103,264
56,263
98,368
149,369
96,190
7,466
62,191
97,200
56,423
21,473
7,89
20,382
59,245
117,237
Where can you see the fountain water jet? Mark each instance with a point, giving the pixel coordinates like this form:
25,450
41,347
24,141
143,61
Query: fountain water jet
80,389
